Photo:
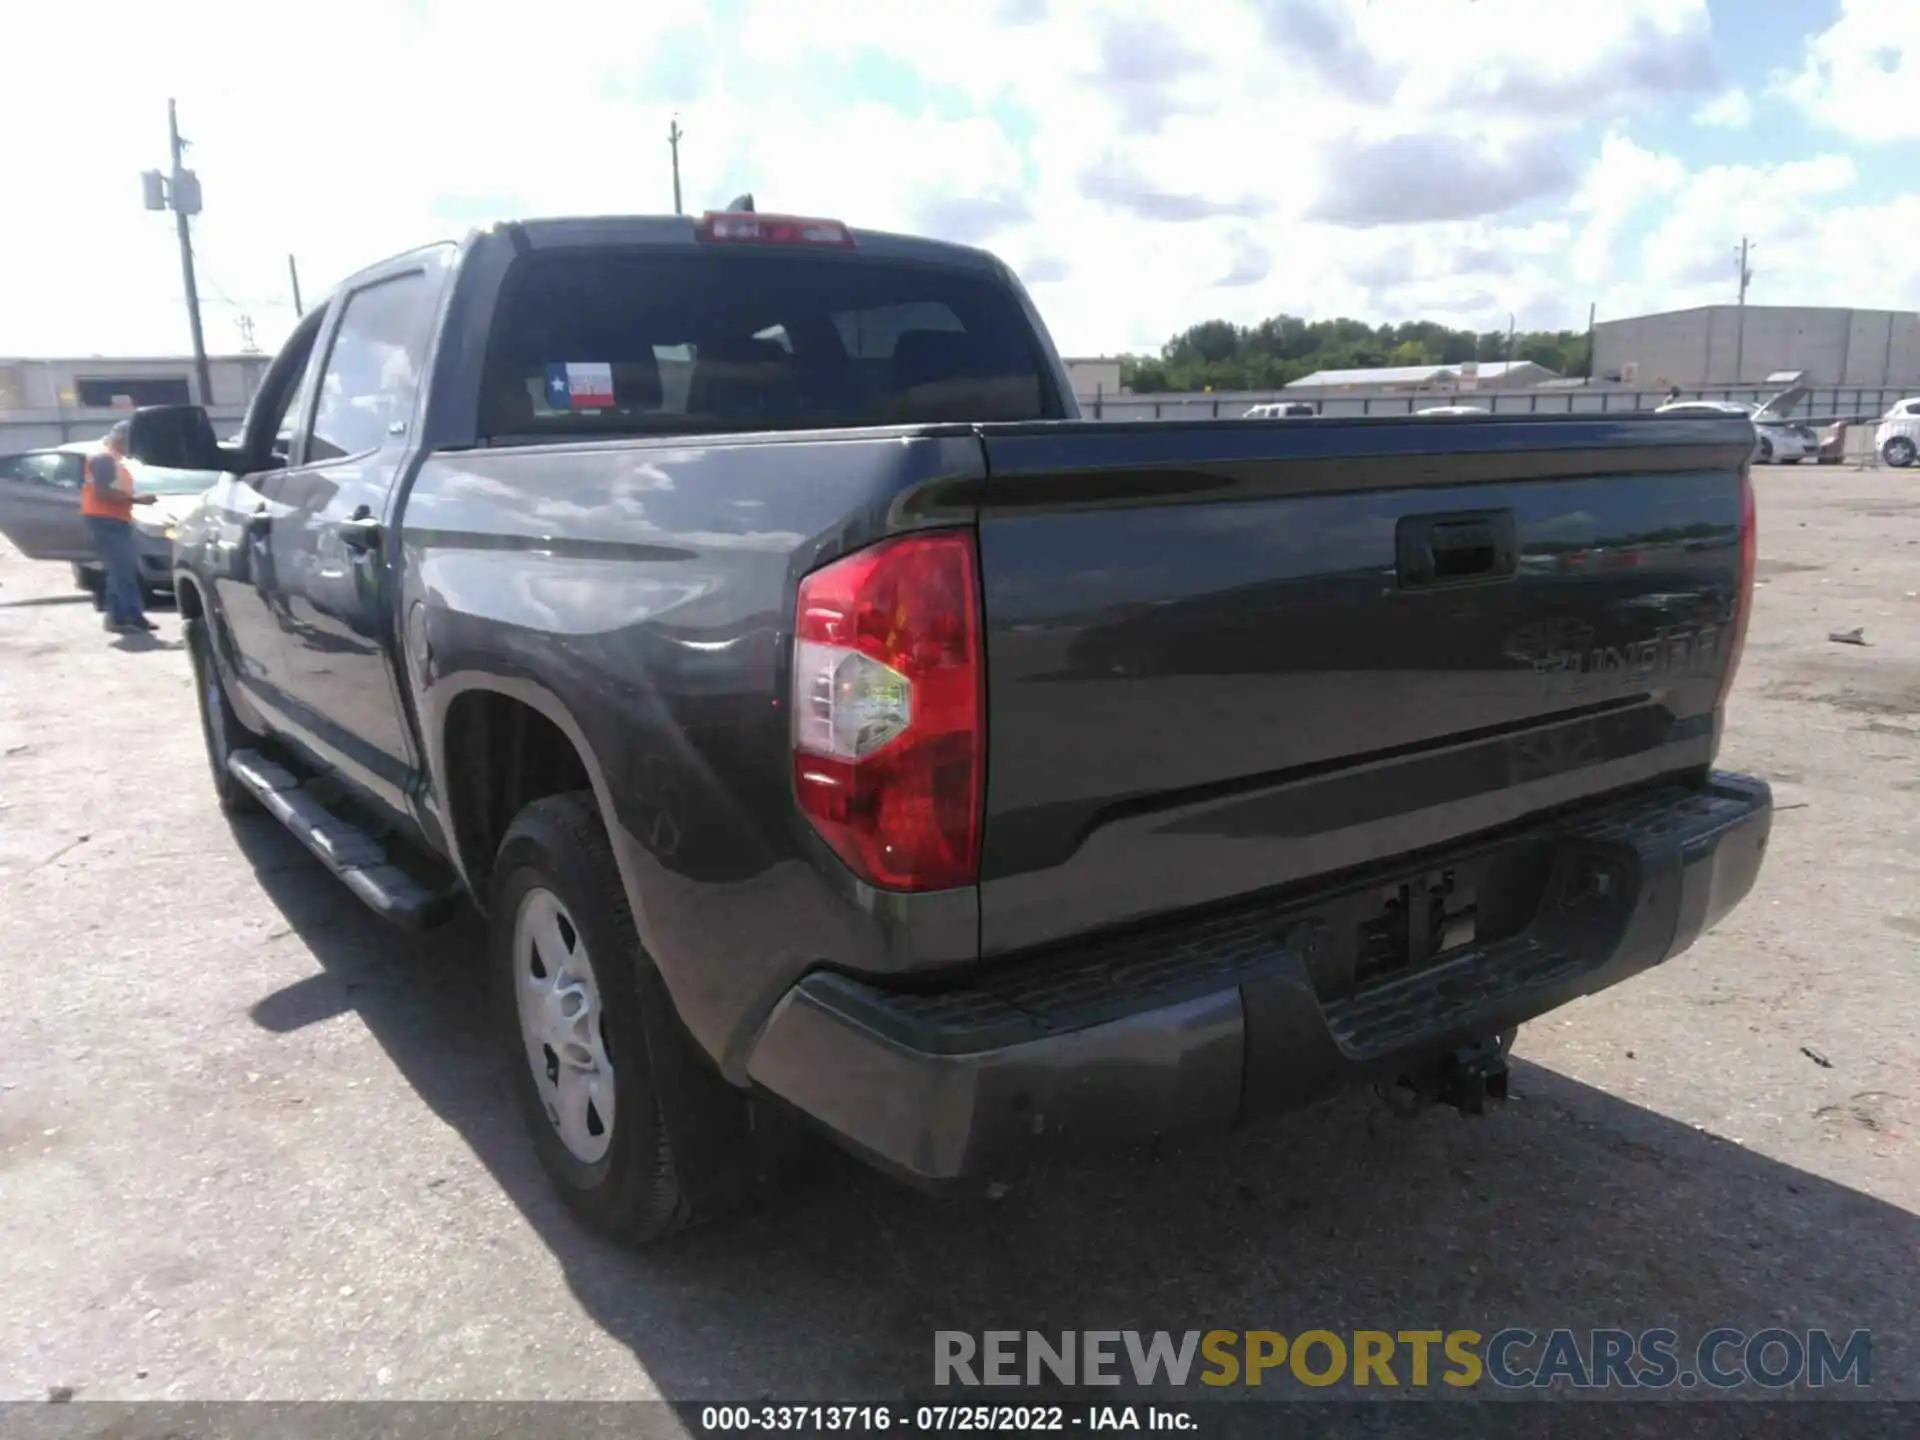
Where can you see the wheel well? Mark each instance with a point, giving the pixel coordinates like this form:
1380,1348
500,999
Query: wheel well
186,597
501,756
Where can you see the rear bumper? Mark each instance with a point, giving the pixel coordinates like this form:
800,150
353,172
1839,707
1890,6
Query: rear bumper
1185,1028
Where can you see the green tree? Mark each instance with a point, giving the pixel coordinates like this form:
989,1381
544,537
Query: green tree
1220,355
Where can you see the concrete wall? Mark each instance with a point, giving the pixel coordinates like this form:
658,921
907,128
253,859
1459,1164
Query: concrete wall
1708,347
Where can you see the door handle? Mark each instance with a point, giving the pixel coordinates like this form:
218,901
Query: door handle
1467,547
260,521
360,531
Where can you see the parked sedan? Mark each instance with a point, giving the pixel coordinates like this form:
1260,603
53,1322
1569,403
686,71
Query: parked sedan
40,512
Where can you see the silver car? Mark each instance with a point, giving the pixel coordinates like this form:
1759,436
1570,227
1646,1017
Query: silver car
40,513
1777,440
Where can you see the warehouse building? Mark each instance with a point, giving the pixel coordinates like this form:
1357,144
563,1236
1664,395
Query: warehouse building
1424,379
52,401
1734,345
1094,377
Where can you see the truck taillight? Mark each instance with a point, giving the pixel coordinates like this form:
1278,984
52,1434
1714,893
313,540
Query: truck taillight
1743,596
889,734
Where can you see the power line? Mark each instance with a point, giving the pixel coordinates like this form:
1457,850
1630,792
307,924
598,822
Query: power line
222,297
211,283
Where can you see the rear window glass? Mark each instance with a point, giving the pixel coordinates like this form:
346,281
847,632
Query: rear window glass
643,341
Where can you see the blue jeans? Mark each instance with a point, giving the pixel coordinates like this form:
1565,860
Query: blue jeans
113,542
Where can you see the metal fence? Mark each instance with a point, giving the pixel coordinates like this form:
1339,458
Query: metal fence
1824,406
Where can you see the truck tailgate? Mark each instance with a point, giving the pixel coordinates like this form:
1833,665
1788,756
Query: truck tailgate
1223,658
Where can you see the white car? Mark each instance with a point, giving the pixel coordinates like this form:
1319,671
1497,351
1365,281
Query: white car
1897,441
1280,410
1777,440
1454,410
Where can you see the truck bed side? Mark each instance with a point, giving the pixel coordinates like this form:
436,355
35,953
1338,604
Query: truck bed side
639,594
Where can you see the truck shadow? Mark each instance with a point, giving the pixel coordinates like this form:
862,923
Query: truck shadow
1566,1207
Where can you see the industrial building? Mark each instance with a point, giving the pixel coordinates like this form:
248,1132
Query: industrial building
1736,345
1420,379
1095,377
49,402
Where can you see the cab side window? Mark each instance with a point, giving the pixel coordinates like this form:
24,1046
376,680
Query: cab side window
289,417
372,375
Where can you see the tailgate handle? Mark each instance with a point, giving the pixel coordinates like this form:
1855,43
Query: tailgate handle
1466,547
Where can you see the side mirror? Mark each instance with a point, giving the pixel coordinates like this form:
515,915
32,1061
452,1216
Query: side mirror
178,437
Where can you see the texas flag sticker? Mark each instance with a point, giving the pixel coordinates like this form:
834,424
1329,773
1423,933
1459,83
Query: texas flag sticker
579,385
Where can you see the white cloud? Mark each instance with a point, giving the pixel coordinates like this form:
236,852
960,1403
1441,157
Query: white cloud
1807,250
1729,110
1861,74
1625,178
1143,171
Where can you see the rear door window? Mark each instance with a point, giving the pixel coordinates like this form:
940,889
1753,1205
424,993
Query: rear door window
642,340
372,374
53,468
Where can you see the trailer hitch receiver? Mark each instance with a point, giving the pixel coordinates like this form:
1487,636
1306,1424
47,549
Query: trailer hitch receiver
1473,1075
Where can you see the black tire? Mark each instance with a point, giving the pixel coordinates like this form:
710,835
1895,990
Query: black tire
94,583
1766,452
643,1187
1899,452
220,727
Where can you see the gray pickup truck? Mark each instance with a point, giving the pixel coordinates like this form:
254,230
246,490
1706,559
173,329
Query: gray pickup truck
830,723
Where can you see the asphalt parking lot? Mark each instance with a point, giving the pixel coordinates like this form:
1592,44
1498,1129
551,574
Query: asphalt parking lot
255,1145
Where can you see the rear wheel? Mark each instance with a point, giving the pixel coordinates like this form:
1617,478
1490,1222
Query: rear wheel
1766,451
607,1084
1899,452
220,727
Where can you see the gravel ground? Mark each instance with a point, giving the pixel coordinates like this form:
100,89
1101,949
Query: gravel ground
255,1145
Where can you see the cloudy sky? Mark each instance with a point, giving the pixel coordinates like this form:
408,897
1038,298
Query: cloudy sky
1142,165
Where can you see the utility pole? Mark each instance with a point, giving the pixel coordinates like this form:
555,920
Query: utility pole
674,136
1740,319
1593,309
183,197
1510,325
293,274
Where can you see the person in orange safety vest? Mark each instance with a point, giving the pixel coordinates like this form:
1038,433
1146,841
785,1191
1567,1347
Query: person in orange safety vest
107,499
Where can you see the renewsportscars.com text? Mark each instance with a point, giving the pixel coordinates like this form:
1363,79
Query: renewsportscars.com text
1509,1359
